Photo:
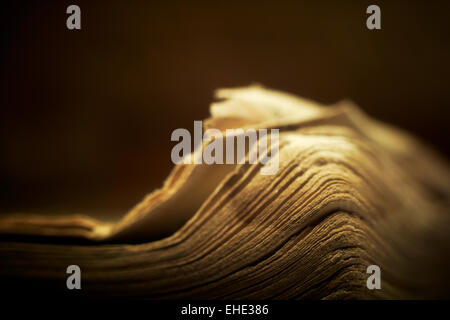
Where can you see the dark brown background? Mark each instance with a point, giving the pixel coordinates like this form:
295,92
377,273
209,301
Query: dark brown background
86,116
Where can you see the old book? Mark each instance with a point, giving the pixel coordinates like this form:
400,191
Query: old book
349,192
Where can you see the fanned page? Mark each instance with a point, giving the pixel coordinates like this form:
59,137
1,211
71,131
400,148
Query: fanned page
349,192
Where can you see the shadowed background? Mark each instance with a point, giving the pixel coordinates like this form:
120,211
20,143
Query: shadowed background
86,116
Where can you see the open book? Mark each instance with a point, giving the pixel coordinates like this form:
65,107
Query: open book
349,192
